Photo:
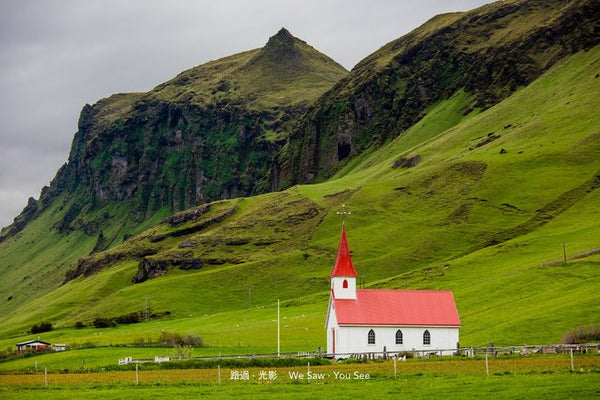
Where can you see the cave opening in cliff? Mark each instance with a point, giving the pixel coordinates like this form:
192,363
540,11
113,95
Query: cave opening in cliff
343,150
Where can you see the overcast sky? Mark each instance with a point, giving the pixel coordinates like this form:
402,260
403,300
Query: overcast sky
58,55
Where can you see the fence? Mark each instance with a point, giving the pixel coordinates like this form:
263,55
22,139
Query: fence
490,350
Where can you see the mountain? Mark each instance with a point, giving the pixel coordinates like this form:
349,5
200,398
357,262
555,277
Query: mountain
488,52
474,197
212,132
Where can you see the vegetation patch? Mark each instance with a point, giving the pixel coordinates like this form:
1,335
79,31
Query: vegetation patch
582,334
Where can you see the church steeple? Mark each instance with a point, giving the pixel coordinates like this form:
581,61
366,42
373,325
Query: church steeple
343,263
343,275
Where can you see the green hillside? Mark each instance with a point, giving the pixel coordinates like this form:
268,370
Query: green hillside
477,203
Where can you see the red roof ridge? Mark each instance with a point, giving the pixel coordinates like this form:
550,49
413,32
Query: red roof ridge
405,290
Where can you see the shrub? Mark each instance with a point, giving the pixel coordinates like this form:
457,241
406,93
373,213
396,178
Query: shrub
167,338
101,322
582,334
42,327
131,318
182,352
79,325
193,340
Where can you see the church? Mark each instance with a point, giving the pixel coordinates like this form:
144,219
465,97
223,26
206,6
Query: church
370,320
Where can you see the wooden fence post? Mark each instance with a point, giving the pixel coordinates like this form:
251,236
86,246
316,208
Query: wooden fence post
572,366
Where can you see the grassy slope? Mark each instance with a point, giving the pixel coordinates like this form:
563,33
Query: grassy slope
49,253
428,234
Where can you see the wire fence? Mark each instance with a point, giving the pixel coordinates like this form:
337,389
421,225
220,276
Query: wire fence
488,351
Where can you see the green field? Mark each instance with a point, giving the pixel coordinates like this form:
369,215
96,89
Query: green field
539,377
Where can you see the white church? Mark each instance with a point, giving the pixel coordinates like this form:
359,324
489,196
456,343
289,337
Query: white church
369,320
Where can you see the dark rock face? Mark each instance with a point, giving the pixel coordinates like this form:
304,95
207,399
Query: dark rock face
29,212
172,155
90,265
389,91
149,269
403,162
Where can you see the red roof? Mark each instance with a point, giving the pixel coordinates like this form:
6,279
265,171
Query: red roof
398,307
343,263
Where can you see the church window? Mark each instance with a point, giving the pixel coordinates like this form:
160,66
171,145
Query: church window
399,337
371,337
426,337
345,284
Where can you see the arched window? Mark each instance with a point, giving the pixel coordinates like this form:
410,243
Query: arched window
426,337
371,337
345,284
399,337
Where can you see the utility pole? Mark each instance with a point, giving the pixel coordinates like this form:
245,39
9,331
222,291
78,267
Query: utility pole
146,308
250,297
278,333
564,246
361,281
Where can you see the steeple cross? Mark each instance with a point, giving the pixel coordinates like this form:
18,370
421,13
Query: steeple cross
343,213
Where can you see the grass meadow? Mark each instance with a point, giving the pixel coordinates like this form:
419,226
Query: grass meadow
536,377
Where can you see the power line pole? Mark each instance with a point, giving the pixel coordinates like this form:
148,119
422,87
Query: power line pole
278,337
146,308
564,246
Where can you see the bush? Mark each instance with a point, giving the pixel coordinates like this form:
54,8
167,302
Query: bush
79,325
101,322
42,327
582,334
193,340
167,338
131,318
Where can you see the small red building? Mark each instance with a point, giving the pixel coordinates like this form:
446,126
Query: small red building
33,345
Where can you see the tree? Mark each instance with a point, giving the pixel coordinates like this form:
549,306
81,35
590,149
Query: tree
42,327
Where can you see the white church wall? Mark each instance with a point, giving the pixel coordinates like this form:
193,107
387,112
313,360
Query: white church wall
332,329
354,339
337,284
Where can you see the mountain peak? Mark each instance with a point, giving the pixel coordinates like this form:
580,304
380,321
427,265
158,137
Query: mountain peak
282,46
283,34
